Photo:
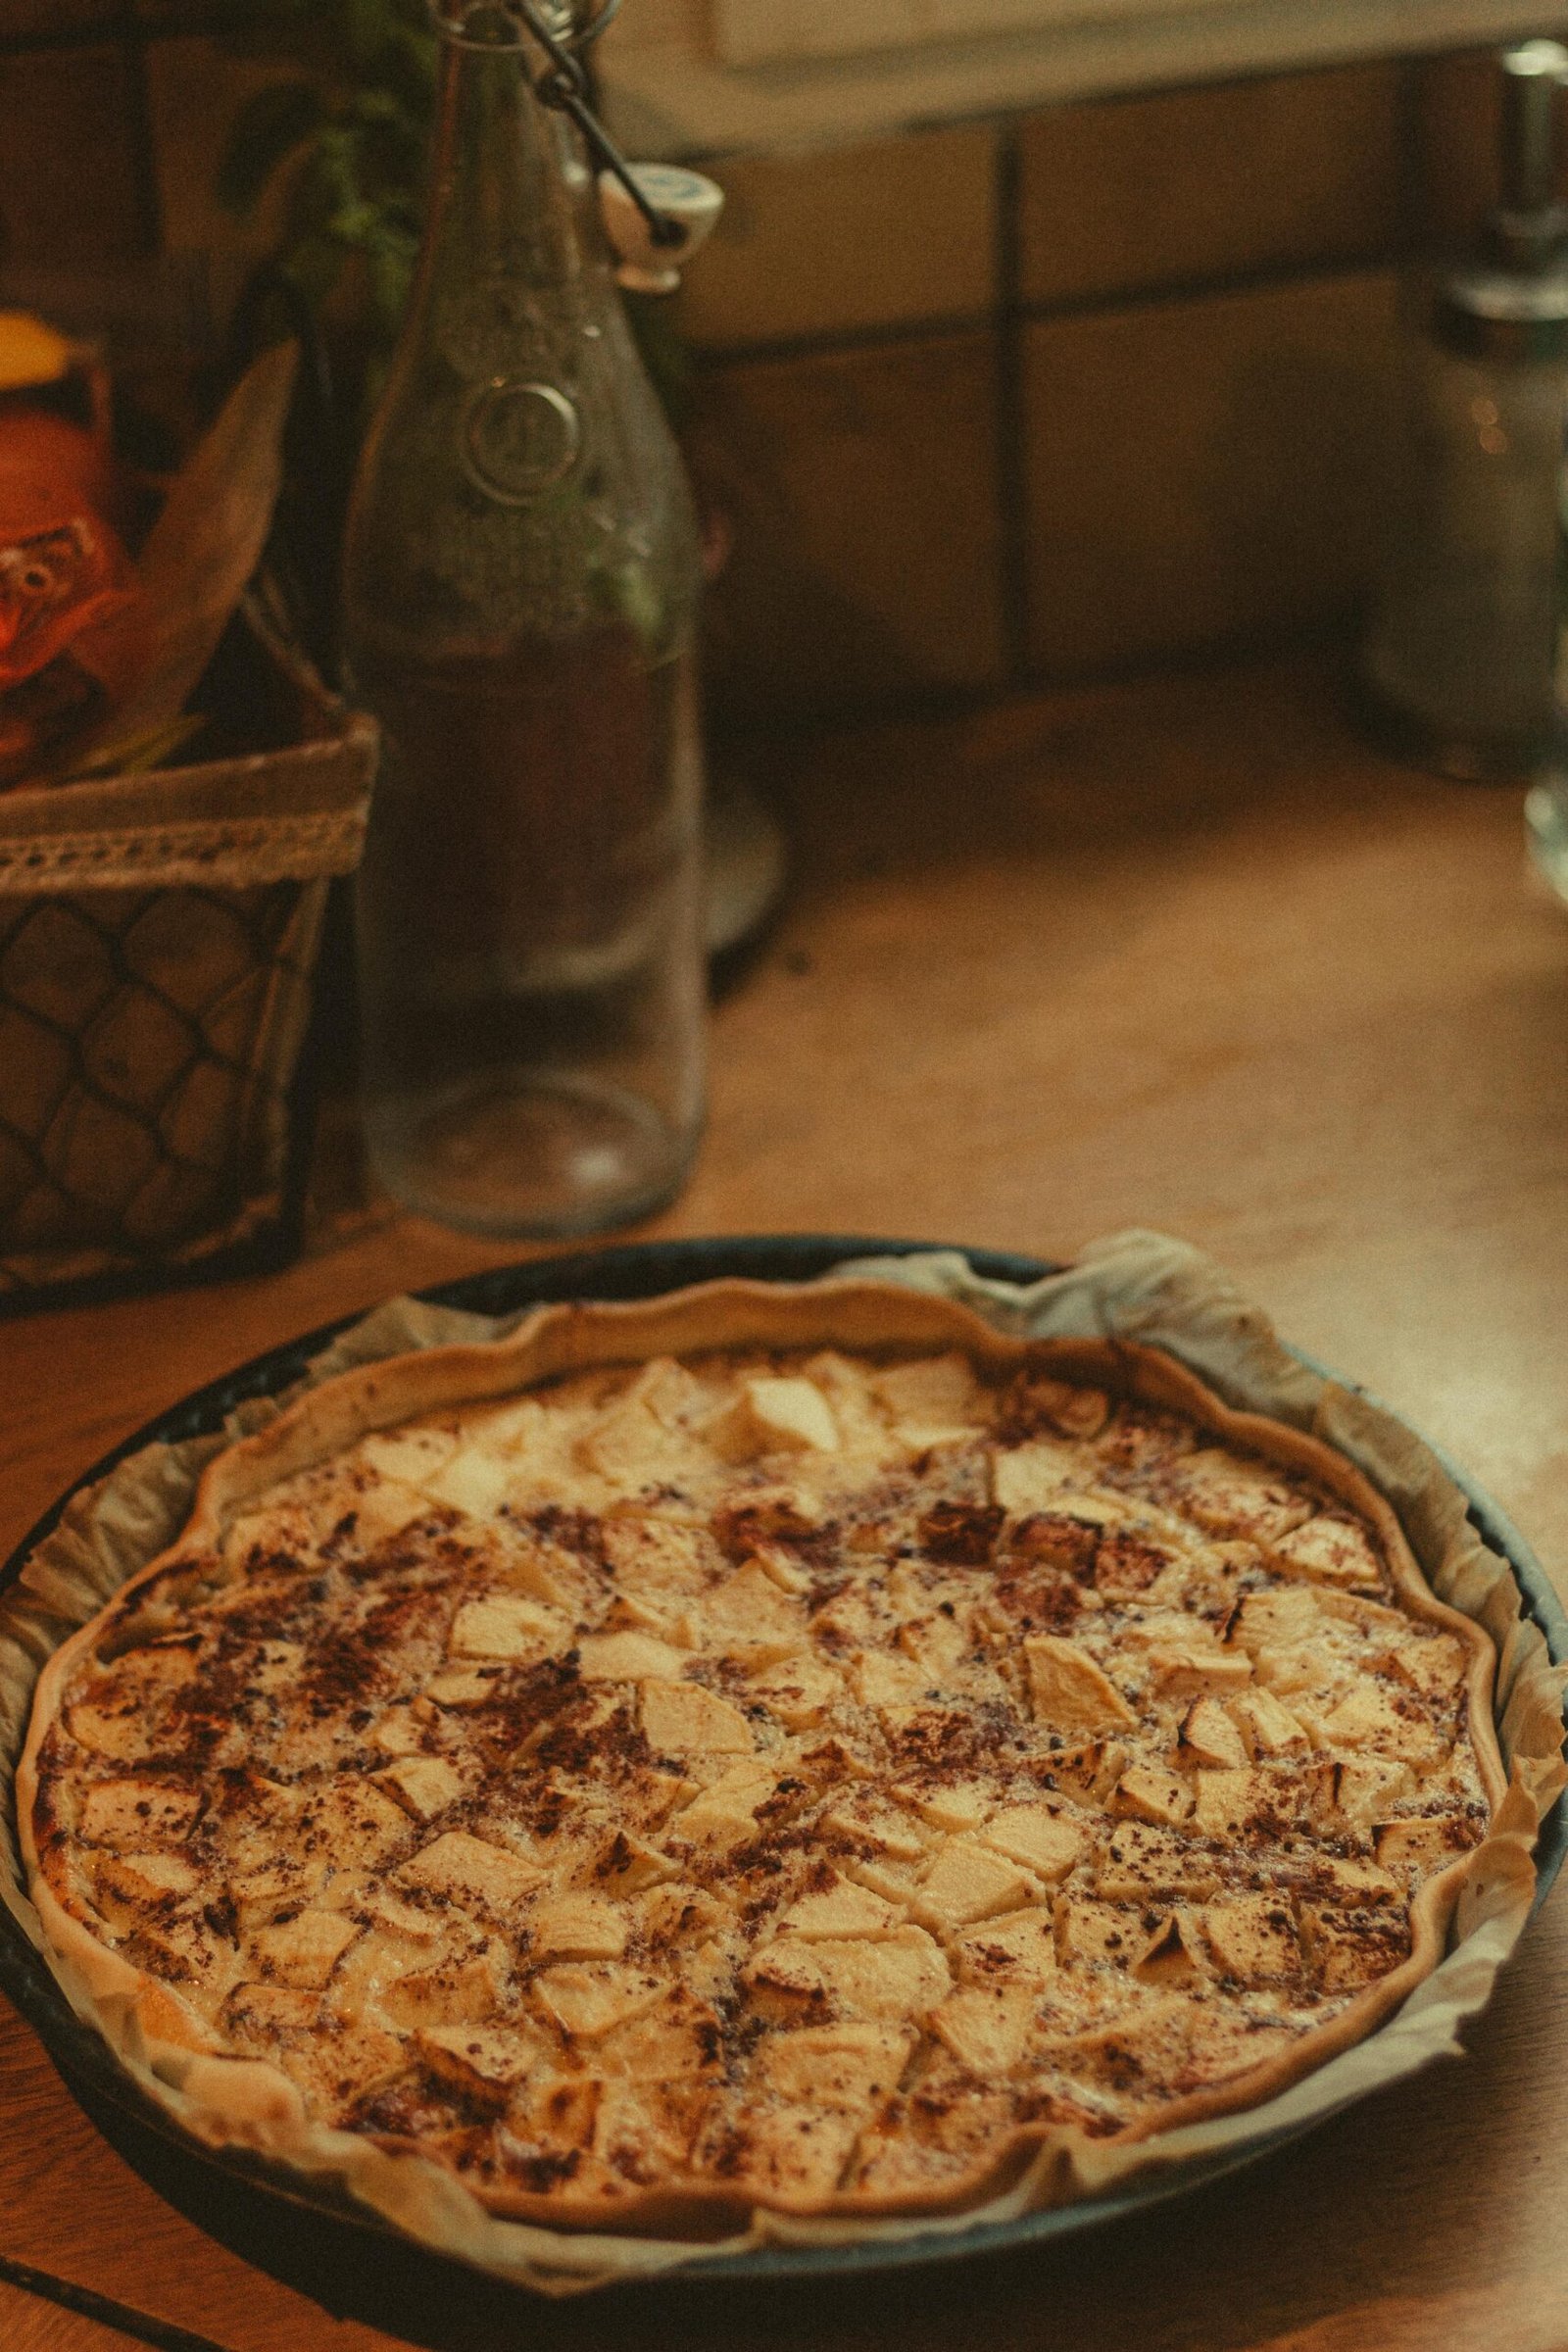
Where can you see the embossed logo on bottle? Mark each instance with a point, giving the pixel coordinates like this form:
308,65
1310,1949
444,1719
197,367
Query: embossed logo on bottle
518,438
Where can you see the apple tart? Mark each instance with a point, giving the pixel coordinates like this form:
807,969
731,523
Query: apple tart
760,1748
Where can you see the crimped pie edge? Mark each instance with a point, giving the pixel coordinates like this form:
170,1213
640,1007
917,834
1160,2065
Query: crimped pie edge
249,2102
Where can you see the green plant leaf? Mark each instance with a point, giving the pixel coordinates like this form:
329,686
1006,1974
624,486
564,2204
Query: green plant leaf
313,197
395,139
267,127
409,66
337,153
390,257
355,224
379,105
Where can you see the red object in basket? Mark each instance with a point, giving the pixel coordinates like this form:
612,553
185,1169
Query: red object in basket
61,566
64,572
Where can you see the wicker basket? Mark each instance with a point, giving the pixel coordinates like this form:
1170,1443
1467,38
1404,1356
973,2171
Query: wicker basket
158,940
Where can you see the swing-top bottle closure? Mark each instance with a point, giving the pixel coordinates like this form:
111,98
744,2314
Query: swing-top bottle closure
520,437
655,215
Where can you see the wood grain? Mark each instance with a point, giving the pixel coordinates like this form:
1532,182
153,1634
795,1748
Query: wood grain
34,2323
1177,954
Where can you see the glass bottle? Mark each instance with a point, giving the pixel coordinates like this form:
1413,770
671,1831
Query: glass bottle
1457,652
520,584
1546,801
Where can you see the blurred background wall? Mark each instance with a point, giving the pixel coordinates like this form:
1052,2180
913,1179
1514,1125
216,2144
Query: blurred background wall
1042,395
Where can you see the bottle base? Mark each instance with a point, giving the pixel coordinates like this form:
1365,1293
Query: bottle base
525,1154
1465,755
1547,833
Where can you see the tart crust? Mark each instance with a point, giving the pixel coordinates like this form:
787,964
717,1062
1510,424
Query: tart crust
792,1974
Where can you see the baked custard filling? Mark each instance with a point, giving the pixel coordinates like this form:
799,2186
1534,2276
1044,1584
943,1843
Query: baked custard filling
775,1777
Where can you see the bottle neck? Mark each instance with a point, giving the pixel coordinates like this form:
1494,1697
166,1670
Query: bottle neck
511,195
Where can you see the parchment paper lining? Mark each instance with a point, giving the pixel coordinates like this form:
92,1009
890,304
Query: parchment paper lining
1135,1286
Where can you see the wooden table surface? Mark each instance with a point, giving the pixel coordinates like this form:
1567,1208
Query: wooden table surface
1181,954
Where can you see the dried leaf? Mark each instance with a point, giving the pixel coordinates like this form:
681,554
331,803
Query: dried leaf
201,550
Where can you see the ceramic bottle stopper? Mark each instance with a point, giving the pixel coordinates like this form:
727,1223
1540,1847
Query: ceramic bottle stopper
684,199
